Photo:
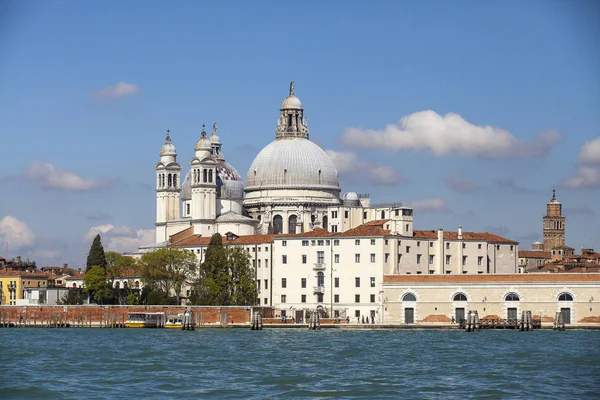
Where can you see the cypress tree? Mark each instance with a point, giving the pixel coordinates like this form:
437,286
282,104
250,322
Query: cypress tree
96,257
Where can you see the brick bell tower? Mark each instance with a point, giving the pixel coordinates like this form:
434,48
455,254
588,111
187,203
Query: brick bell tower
554,224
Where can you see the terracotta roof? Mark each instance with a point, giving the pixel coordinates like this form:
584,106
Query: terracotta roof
21,273
563,248
197,240
77,276
317,232
181,235
534,254
372,228
432,279
466,236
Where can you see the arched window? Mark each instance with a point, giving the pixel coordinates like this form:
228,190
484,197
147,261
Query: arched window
117,285
277,224
565,297
210,175
320,279
512,297
137,284
158,183
170,180
163,180
204,173
285,175
383,215
459,297
174,180
75,285
319,177
292,223
409,297
125,284
325,220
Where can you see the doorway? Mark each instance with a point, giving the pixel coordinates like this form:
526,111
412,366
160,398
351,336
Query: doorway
512,313
566,314
460,314
409,315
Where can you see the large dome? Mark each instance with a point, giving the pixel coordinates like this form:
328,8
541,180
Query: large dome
292,163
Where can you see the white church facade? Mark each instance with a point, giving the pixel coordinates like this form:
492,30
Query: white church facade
309,246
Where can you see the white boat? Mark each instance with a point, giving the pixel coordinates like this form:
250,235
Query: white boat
145,320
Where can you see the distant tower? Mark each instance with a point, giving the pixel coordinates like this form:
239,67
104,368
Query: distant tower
554,224
167,188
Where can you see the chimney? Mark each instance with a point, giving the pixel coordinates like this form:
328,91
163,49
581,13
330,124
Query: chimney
460,233
65,265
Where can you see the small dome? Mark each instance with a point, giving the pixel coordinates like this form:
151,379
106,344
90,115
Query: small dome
229,182
292,102
168,149
351,196
537,242
203,143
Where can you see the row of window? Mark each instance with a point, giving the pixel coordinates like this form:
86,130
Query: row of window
509,297
336,298
167,180
464,246
320,282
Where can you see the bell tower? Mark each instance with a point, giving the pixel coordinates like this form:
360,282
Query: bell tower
167,188
554,224
292,122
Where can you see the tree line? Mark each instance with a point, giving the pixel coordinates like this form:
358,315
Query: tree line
224,278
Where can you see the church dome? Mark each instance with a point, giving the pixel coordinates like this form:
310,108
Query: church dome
229,182
291,102
186,188
168,149
203,144
292,163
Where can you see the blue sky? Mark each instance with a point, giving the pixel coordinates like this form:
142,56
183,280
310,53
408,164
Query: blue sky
470,111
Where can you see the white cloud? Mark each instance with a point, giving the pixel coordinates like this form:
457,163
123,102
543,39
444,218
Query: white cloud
49,176
429,204
16,233
590,152
347,162
585,178
121,89
448,134
120,238
461,185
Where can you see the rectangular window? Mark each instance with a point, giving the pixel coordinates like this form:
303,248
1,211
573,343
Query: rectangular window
258,263
418,244
305,243
266,284
407,249
336,258
327,242
357,281
464,245
447,260
479,246
320,257
266,263
357,258
284,242
303,283
386,242
372,242
357,313
188,209
364,215
337,282
284,259
336,242
345,214
283,282
258,284
303,258
430,244
334,214
259,249
283,298
334,228
399,258
303,298
447,245
479,260
497,247
430,259
320,242
372,281
336,298
266,249
372,257
387,257
418,259
512,248
372,298
357,242
357,298
464,260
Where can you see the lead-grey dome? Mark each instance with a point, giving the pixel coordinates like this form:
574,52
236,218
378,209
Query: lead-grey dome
291,162
229,183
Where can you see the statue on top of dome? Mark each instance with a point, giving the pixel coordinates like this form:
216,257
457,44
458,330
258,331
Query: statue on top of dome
214,131
292,88
168,138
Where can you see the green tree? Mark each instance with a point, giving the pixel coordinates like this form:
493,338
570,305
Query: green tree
226,277
167,269
96,255
97,285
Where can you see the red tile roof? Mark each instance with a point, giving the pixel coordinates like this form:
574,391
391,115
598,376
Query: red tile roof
466,236
534,254
198,240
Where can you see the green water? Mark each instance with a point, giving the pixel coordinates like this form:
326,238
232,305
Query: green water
239,363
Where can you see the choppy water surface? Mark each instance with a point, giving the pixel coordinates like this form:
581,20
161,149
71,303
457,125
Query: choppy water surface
239,363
